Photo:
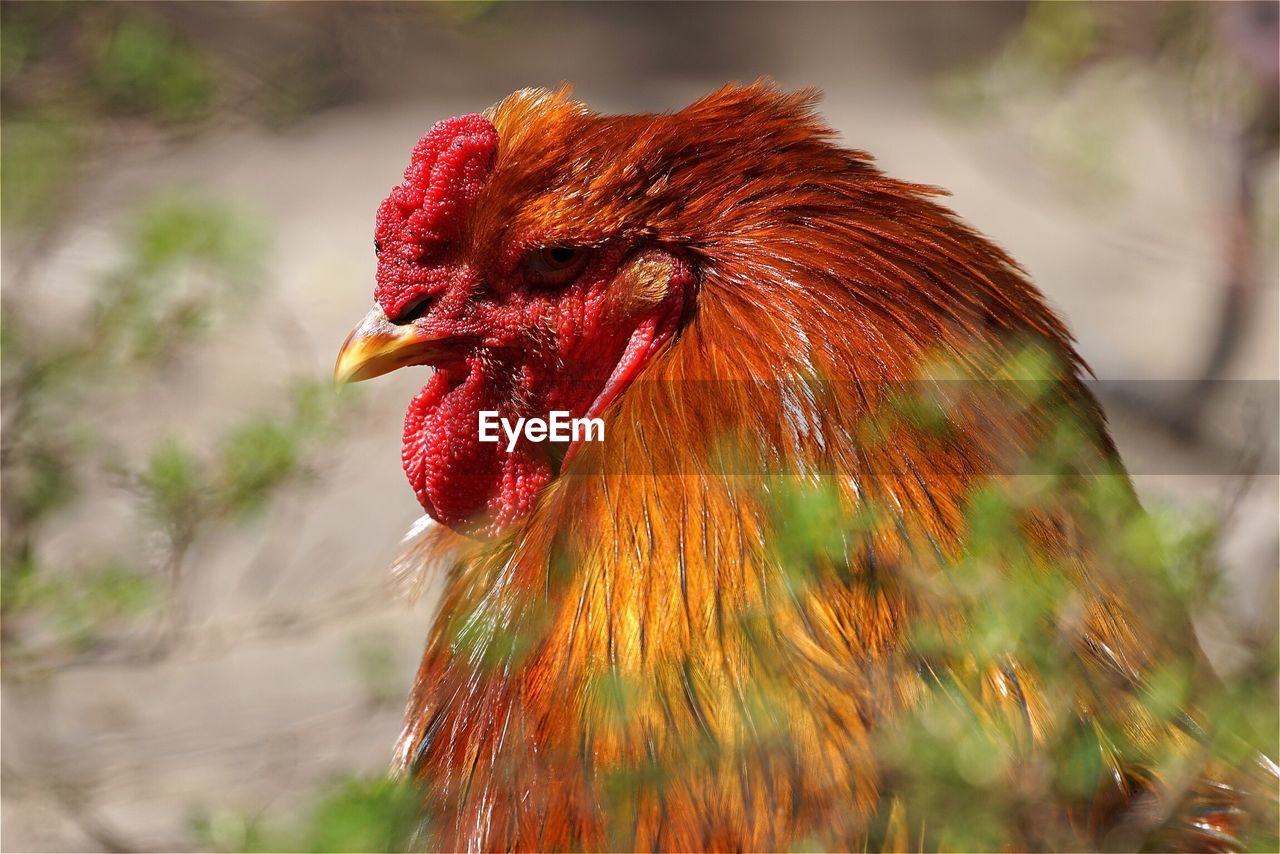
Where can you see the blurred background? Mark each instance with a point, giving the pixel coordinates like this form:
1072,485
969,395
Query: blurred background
200,636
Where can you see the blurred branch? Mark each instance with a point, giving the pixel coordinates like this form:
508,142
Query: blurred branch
76,806
179,641
1068,64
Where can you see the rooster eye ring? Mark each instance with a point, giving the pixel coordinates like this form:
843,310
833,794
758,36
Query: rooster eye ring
554,265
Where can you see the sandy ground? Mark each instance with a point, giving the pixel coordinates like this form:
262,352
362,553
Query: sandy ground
253,724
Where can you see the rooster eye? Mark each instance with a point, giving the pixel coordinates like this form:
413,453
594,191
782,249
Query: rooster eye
554,265
559,256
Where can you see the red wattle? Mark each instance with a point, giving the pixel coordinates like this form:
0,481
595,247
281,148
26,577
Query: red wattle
475,487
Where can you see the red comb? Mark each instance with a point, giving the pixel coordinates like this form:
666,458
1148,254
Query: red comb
423,215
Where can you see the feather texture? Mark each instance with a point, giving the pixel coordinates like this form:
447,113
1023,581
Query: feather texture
635,665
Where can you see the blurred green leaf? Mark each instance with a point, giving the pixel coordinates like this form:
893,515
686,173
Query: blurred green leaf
81,605
46,484
1060,34
38,158
365,815
256,458
361,814
812,531
172,230
142,67
175,486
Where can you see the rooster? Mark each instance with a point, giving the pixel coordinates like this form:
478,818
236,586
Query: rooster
622,657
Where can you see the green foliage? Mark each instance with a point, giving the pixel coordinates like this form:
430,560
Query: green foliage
38,153
464,12
187,265
190,261
256,458
1017,726
172,231
810,522
368,814
1073,74
365,815
65,67
1005,612
80,608
1059,36
48,484
174,487
1054,40
250,464
142,313
1059,44
140,66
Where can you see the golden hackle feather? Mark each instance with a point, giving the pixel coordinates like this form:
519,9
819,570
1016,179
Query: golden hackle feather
633,667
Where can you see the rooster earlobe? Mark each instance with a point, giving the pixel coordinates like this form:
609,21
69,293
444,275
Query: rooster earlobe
645,280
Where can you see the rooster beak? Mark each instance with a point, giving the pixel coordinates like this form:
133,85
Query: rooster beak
377,346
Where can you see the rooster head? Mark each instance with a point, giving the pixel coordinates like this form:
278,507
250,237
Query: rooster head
496,268
542,257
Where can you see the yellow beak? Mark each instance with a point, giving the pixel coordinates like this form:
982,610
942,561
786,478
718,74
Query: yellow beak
377,346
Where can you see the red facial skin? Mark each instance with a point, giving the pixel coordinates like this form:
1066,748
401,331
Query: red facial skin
516,343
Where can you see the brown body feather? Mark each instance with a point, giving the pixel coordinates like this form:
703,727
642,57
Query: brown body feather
630,667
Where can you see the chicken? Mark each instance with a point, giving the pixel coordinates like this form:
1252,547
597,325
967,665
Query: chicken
623,658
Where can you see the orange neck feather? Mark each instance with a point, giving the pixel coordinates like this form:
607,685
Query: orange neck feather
648,571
